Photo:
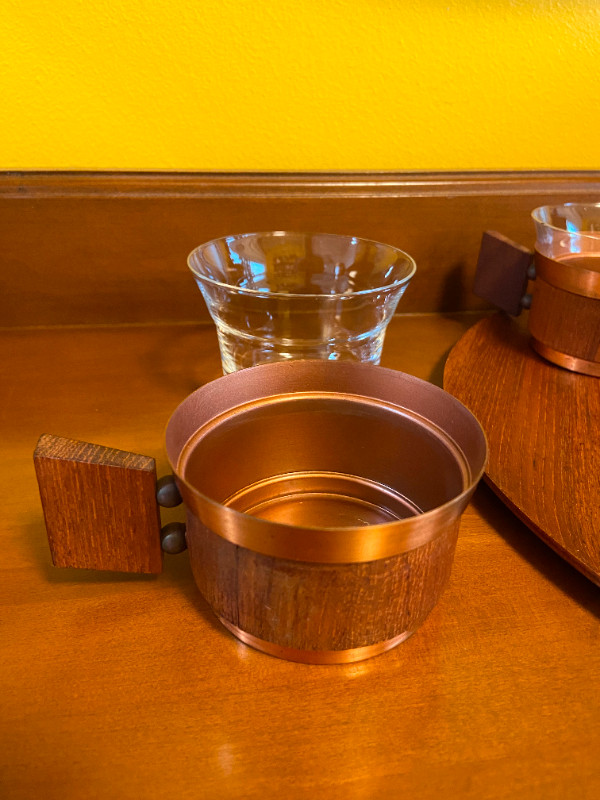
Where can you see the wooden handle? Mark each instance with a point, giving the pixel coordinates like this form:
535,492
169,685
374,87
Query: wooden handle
100,506
503,270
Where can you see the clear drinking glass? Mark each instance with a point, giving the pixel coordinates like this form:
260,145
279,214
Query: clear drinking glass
569,233
279,295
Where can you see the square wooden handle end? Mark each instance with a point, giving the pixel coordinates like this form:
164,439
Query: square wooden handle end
503,270
99,506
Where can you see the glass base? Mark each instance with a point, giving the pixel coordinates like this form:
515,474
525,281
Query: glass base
239,351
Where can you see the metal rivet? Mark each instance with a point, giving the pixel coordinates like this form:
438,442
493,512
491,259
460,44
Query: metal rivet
526,301
167,493
531,273
172,538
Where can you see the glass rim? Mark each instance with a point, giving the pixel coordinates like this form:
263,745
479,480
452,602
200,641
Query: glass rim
412,264
536,215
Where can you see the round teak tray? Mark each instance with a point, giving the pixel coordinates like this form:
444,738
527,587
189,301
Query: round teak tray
541,423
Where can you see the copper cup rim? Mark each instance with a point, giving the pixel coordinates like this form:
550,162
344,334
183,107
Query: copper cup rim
386,287
568,276
327,544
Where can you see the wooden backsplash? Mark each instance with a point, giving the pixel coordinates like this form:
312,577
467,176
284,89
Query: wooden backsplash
102,248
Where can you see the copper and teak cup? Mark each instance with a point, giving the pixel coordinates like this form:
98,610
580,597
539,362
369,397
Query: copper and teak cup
323,503
559,282
564,320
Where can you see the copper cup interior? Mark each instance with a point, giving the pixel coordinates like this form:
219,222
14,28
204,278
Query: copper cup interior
325,460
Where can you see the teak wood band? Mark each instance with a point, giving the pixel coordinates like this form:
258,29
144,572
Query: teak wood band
577,280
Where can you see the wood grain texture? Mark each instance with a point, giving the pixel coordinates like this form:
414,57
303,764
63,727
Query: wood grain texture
320,606
85,248
99,505
125,686
501,275
542,428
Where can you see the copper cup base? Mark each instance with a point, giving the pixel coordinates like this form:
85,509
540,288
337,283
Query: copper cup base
315,656
572,363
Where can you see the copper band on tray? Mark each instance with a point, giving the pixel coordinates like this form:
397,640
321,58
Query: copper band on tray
572,363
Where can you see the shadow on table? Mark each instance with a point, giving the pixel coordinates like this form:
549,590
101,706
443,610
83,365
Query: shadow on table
525,542
176,572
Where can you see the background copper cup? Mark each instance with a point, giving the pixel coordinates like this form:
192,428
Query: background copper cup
564,293
323,502
564,320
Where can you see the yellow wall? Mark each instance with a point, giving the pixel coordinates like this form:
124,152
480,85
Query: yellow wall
299,85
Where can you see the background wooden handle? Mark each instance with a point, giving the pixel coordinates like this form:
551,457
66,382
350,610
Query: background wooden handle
503,270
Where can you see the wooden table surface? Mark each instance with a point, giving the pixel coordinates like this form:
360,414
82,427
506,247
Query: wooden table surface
118,686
